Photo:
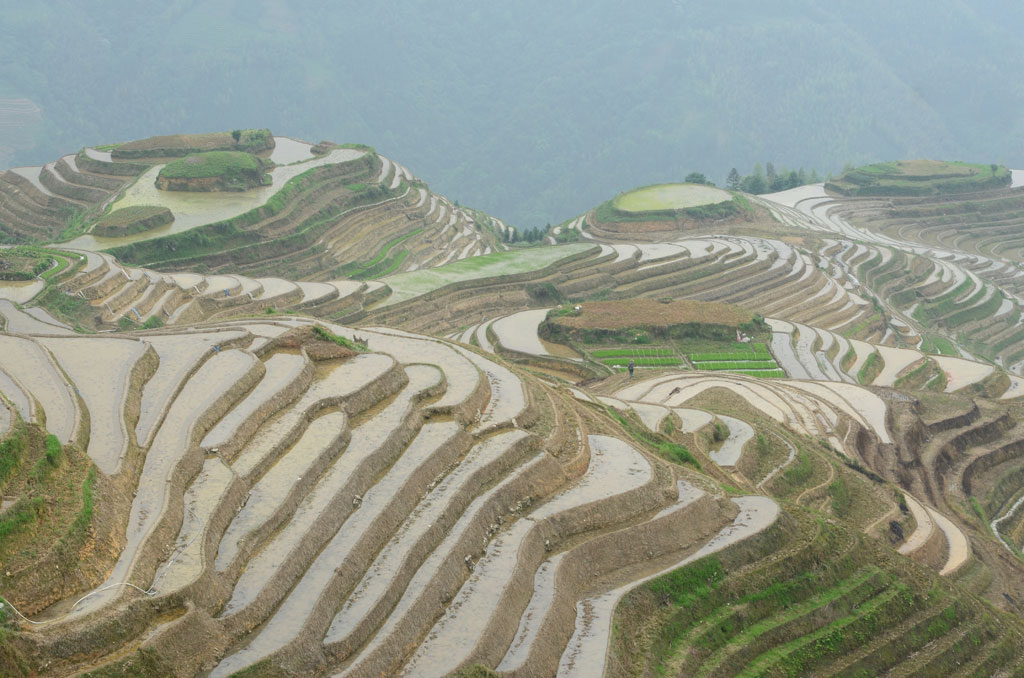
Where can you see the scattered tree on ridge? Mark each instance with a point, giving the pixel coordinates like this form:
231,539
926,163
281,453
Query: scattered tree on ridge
733,181
770,179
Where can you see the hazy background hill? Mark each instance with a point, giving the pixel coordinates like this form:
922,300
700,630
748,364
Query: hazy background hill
531,110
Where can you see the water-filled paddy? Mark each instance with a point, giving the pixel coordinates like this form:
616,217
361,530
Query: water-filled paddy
196,209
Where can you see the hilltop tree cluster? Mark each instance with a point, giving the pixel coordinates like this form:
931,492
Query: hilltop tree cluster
764,179
528,235
769,180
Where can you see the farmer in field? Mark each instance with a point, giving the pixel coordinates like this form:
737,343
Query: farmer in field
631,366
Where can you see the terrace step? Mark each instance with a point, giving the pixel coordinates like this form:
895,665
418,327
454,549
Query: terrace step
286,376
890,648
202,499
586,652
103,386
368,376
443,570
848,629
75,193
180,356
374,446
213,388
112,280
271,499
68,170
616,475
757,636
942,654
31,366
362,537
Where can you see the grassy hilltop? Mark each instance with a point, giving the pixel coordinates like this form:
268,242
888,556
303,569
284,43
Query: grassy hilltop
919,178
213,171
172,145
668,207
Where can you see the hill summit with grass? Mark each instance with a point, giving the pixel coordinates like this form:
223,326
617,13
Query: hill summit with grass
668,207
919,178
213,171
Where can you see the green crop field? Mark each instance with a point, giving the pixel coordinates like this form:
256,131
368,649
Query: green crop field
753,360
643,362
414,283
766,374
642,356
132,219
633,352
935,344
730,365
757,352
670,197
23,263
377,267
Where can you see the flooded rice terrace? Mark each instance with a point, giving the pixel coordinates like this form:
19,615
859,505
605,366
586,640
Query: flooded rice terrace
197,209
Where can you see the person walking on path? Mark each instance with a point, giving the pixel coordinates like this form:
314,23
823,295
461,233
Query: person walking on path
631,366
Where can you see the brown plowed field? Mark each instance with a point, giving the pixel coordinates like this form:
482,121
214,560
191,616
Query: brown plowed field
632,312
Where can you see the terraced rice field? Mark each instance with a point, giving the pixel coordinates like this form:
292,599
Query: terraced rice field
518,332
22,291
348,202
406,286
195,209
301,473
240,494
333,514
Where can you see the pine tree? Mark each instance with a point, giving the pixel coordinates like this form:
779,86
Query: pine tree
754,183
733,181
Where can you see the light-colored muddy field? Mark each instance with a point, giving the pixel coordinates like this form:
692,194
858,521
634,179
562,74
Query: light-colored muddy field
518,332
30,364
23,322
21,292
282,370
209,384
100,370
740,432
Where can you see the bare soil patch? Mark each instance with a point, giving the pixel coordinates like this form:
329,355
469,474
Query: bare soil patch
633,312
